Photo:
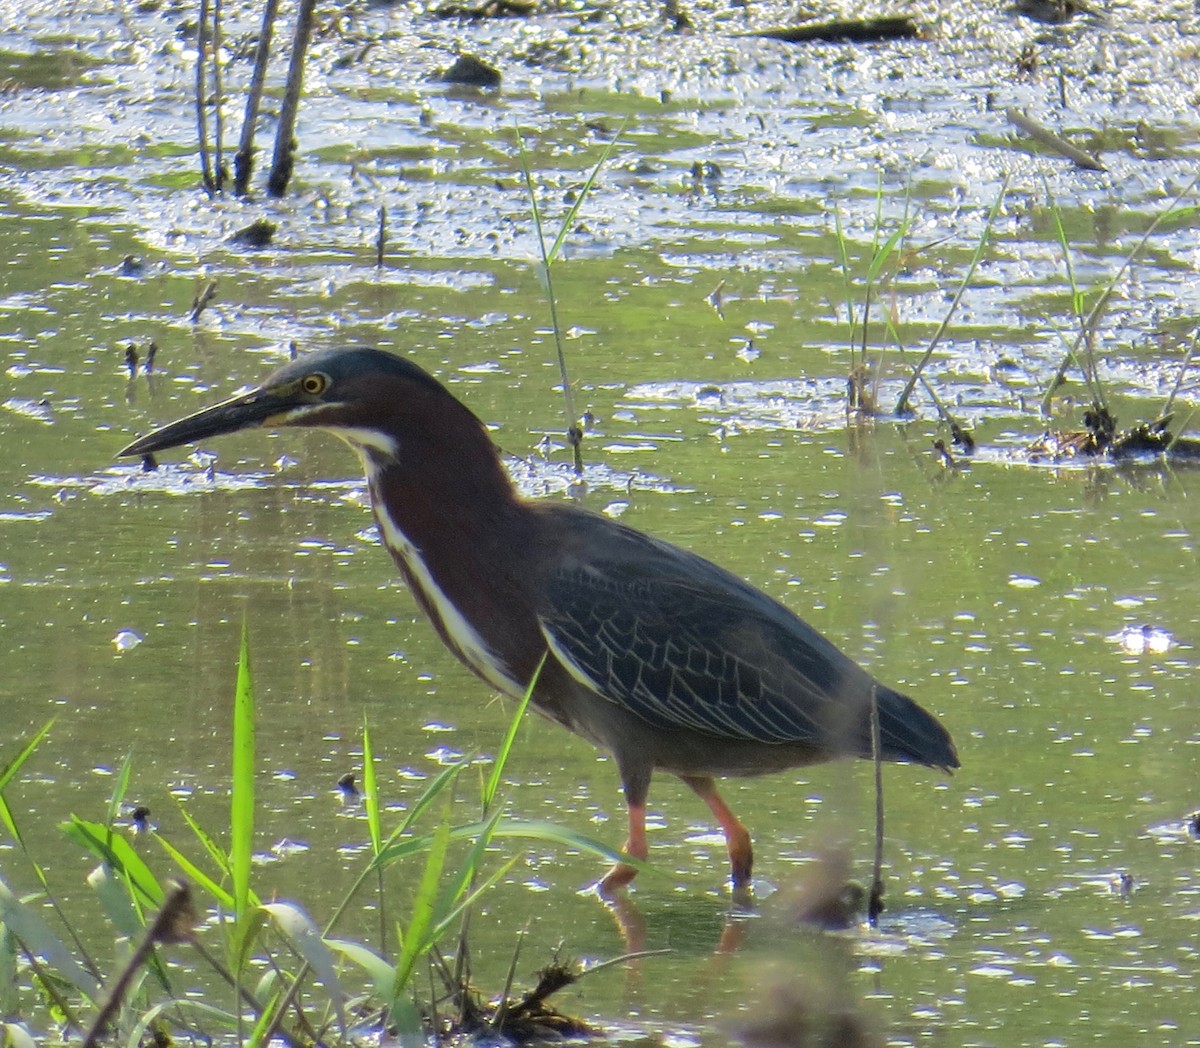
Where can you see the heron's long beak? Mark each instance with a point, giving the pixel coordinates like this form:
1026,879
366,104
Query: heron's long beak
244,411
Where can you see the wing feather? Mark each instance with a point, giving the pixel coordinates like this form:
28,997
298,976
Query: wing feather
684,644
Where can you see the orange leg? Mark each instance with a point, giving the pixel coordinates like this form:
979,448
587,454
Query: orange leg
622,873
737,837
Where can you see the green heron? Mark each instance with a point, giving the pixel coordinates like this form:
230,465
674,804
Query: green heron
654,654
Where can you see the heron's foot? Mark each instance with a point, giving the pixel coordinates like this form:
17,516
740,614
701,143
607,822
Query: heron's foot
636,847
620,876
741,857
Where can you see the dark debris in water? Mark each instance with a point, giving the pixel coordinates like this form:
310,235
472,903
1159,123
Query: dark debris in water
257,234
1052,12
472,72
1099,439
858,31
487,9
526,1019
533,1018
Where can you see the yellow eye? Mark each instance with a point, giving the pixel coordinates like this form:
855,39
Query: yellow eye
314,384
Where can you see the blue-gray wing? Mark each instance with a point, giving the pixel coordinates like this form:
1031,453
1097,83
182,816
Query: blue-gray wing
685,645
682,643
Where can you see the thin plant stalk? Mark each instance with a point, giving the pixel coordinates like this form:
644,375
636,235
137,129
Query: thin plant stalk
840,235
1087,366
1179,378
1179,431
902,403
574,432
1092,320
502,1011
876,899
510,737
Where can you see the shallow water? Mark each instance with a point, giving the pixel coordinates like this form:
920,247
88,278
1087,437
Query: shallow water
1009,599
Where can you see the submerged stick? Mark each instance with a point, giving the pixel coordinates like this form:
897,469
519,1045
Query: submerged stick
381,239
859,31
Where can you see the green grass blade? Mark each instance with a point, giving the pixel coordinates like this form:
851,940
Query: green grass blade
115,851
120,789
446,777
13,767
371,791
568,222
9,772
470,866
437,786
297,927
452,914
15,1035
241,809
552,833
415,941
265,1022
493,783
35,935
381,974
547,832
374,827
196,875
10,988
884,253
138,1035
215,852
113,894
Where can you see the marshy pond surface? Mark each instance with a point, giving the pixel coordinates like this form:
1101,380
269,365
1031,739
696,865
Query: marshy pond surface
1049,615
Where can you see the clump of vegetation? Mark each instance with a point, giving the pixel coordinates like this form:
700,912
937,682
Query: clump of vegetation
286,975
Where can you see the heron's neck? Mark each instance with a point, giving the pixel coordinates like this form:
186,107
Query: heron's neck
455,530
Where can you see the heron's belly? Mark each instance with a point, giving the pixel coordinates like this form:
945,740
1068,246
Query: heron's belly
637,744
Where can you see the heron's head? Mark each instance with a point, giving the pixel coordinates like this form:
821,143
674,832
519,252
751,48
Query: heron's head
374,400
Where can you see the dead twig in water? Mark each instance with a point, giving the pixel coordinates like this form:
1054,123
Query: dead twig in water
285,144
219,172
202,299
243,160
174,924
1044,136
206,170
